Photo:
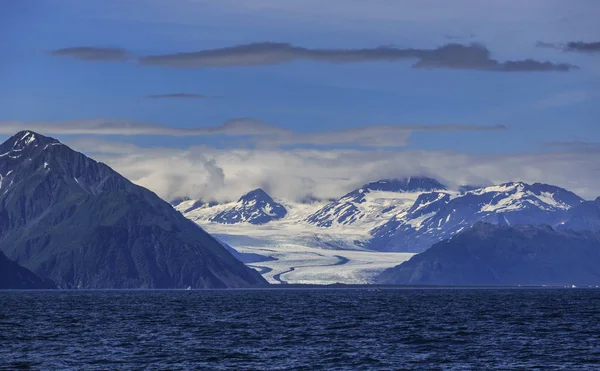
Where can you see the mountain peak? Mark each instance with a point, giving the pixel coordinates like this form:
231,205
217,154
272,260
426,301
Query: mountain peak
256,194
255,207
28,138
25,141
408,184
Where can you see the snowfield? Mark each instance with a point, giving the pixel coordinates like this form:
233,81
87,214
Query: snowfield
301,253
305,257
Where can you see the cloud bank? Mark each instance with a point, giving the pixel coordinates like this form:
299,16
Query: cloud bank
245,131
218,174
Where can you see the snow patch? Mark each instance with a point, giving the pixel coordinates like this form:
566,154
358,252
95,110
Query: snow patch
30,139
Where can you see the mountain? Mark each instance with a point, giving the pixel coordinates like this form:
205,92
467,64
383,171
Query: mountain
15,277
490,254
583,217
69,218
255,207
178,201
373,200
407,216
439,215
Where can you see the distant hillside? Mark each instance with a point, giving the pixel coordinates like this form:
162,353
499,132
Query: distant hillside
489,254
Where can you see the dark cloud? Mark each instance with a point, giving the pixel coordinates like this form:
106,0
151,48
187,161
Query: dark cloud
92,54
580,46
450,56
573,46
177,96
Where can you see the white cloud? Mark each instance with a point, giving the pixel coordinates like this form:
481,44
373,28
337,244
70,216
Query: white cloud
235,127
209,173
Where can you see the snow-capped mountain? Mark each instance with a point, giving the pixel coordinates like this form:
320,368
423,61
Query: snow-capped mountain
373,201
255,207
438,215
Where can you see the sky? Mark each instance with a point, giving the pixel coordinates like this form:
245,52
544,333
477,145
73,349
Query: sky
210,99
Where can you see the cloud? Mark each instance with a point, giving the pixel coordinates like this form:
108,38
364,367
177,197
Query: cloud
451,56
246,131
235,127
573,46
177,96
580,46
208,173
368,136
87,53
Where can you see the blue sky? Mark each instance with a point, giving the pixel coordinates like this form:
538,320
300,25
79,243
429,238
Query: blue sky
441,109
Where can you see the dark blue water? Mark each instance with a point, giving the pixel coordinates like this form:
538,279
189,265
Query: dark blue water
301,330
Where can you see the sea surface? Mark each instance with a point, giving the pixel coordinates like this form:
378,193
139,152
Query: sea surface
304,329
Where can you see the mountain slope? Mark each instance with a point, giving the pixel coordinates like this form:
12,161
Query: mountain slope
15,277
438,215
255,207
583,217
76,221
490,254
373,201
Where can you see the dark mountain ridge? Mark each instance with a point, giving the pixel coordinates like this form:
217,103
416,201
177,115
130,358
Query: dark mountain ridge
76,221
488,254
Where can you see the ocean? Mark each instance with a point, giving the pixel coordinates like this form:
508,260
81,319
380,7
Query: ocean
301,329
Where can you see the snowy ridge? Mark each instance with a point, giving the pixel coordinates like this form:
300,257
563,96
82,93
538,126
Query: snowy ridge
436,216
375,200
516,196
